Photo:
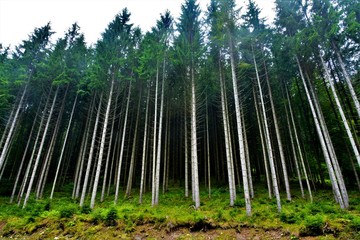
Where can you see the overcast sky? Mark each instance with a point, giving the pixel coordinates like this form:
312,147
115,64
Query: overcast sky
18,18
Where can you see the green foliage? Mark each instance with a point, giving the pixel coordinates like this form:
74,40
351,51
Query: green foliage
67,212
313,226
111,217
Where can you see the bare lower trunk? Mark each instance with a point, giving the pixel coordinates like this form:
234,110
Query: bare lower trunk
132,160
91,153
122,147
348,80
240,136
333,178
268,142
299,147
227,138
37,160
143,165
194,157
102,145
63,148
6,146
261,125
278,138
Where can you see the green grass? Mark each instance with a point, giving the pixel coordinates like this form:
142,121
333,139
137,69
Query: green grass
63,216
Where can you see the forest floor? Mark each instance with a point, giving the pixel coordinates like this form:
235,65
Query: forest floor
176,218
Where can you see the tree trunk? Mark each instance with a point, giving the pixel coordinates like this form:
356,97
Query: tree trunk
102,145
143,158
37,160
227,138
333,178
91,153
261,131
341,111
268,141
299,146
347,79
132,161
122,147
63,147
278,138
6,146
194,156
240,135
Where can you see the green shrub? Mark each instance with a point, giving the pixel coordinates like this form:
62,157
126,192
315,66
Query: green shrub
355,224
288,217
85,209
67,212
111,217
313,226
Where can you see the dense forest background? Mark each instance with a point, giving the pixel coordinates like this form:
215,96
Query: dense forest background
209,99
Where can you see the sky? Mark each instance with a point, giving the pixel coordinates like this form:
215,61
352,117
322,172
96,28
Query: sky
19,18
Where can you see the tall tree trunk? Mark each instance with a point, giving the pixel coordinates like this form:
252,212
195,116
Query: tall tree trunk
333,178
6,146
347,79
122,146
186,150
24,154
158,154
132,160
91,153
109,152
194,156
154,136
341,111
37,160
143,158
268,141
261,130
299,146
82,154
240,134
227,138
278,138
102,145
63,147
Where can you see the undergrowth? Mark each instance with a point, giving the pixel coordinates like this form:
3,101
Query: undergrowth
300,217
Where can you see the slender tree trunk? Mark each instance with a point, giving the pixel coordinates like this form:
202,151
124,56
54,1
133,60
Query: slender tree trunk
261,130
208,149
227,138
122,147
194,156
240,135
91,153
132,161
83,148
347,79
109,152
268,141
186,151
143,158
102,145
299,146
6,146
63,147
333,178
37,160
24,154
154,136
278,138
341,111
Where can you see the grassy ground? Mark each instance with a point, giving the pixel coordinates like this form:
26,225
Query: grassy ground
176,218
